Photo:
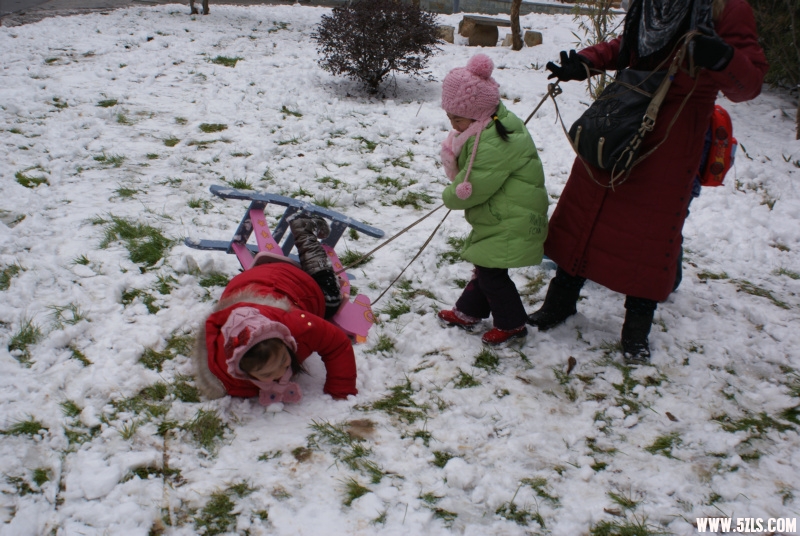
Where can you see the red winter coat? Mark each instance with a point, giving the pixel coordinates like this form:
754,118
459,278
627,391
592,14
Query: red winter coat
628,239
304,319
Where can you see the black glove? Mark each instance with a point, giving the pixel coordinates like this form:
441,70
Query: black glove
711,52
572,67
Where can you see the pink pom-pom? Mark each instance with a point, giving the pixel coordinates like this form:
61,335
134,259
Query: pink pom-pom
464,190
480,65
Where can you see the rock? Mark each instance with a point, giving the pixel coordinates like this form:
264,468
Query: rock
447,33
532,38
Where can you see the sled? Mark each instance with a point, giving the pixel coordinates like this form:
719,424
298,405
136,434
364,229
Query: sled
355,316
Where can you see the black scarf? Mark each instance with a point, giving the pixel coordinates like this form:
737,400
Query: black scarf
652,27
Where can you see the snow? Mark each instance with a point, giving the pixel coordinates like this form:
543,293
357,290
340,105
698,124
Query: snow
557,447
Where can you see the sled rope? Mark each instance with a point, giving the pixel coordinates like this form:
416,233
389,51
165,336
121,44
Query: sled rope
362,257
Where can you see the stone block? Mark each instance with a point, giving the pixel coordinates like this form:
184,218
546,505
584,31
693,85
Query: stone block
483,36
532,38
447,33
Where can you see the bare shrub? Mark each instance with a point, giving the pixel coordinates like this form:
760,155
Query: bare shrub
369,39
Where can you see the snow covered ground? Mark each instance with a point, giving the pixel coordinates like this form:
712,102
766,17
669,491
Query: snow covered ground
103,433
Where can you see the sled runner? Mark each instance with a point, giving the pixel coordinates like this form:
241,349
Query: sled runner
355,316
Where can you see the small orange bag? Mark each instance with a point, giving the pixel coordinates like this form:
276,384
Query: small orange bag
720,149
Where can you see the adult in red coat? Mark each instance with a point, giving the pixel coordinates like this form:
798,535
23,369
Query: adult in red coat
629,238
271,301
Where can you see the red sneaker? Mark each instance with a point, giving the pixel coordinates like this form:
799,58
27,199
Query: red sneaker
496,336
451,317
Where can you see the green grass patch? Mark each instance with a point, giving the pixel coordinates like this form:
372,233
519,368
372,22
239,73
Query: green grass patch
172,141
146,244
465,380
351,256
440,458
754,290
706,275
625,527
368,145
70,409
226,61
21,486
206,429
240,184
185,391
6,274
456,244
79,356
130,296
271,455
486,360
415,199
30,182
67,314
19,343
788,273
535,284
287,111
384,345
165,284
332,183
125,192
29,427
539,486
347,448
200,204
212,127
114,160
664,444
107,103
214,279
627,503
395,309
325,201
401,404
217,515
756,426
40,476
353,490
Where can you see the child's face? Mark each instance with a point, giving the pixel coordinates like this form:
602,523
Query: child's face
275,367
460,123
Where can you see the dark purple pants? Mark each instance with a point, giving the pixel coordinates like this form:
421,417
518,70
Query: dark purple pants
492,292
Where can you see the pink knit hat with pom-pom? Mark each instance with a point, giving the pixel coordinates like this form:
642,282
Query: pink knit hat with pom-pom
470,92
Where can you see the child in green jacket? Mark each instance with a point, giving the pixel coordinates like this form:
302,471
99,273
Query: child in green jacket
497,180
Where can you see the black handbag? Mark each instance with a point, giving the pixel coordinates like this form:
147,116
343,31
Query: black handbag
609,134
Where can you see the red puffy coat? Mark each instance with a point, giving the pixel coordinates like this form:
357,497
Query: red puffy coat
629,239
304,319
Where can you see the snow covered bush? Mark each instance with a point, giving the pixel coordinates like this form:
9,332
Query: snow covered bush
369,39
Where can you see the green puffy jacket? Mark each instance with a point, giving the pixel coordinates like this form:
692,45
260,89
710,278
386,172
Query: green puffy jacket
508,206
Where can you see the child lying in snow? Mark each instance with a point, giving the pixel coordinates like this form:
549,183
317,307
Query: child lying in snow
269,319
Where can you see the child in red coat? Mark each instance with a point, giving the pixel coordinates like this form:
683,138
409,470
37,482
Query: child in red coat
269,320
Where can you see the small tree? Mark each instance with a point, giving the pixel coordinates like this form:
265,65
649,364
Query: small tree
598,24
779,33
516,40
369,39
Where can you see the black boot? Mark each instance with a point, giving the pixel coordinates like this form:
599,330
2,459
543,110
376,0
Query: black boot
639,314
306,230
313,259
559,303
